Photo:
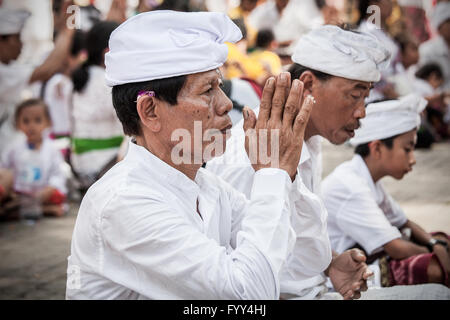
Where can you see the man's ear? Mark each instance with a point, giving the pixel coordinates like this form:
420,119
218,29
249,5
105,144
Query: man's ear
375,148
148,109
308,80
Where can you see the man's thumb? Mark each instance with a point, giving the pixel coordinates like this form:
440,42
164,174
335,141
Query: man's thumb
249,118
358,255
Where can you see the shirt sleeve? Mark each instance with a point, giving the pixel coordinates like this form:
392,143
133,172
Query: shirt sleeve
362,219
152,250
392,210
311,254
14,78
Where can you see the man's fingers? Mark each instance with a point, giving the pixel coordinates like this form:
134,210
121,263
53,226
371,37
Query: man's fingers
293,103
363,286
357,295
303,116
280,96
348,295
266,100
249,118
367,274
358,255
250,133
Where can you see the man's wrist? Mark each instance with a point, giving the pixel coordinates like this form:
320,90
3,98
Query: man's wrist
430,245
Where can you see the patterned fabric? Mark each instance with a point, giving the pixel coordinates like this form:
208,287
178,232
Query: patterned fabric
409,271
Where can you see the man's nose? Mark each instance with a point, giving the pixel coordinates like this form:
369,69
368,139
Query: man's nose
360,111
224,104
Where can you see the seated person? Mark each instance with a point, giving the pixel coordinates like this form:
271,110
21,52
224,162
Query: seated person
362,214
35,162
437,113
159,227
264,53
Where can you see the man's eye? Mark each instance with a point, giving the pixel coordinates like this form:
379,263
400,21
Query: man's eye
408,150
356,97
209,90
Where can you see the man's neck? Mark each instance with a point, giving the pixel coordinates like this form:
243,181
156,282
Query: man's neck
310,131
161,151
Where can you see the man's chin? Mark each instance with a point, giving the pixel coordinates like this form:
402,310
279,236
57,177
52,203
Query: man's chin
338,140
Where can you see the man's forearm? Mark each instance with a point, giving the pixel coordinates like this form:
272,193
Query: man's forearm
418,233
55,60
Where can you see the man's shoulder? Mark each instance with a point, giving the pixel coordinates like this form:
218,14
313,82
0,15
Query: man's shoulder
122,183
344,178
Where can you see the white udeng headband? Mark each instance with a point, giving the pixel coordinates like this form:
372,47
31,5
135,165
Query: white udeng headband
348,54
389,118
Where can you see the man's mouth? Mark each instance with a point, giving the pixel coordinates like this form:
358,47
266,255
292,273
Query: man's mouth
350,132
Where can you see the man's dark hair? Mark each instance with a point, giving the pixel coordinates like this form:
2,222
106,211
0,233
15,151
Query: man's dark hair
296,71
426,70
124,99
264,38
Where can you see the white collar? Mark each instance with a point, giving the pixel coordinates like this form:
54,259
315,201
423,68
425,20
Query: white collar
359,164
159,171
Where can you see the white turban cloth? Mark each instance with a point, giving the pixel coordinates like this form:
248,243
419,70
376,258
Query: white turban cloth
441,13
164,44
12,21
349,54
389,118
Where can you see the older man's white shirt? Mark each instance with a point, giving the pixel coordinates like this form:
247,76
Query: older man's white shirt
138,235
360,211
302,276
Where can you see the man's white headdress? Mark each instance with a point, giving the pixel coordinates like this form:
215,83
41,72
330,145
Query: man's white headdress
164,44
342,53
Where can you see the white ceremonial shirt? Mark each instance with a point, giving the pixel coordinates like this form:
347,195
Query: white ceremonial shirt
302,276
35,169
359,210
14,79
138,234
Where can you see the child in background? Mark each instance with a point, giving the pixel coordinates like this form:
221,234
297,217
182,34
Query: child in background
362,214
96,131
36,163
57,94
431,79
263,54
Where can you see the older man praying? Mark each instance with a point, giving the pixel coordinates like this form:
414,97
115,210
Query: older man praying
157,225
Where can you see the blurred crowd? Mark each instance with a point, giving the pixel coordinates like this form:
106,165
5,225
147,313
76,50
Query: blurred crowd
59,132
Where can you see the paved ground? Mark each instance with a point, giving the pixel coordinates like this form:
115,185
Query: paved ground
33,257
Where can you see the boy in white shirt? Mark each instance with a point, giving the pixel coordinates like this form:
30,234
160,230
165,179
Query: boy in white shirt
361,212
